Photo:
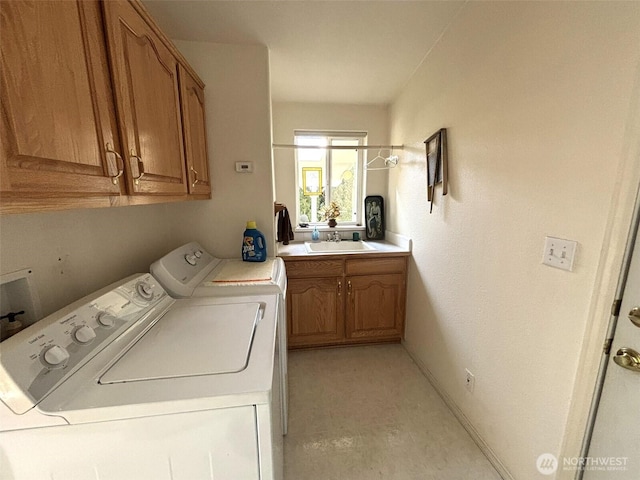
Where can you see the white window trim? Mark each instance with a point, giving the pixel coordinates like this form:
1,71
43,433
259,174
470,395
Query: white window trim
360,174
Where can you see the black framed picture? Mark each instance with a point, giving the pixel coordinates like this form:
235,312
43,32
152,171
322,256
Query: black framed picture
374,217
437,163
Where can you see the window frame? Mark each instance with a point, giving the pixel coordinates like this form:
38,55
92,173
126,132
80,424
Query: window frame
330,136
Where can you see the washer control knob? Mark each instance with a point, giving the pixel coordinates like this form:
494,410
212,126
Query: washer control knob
145,290
191,259
55,356
106,319
84,334
198,253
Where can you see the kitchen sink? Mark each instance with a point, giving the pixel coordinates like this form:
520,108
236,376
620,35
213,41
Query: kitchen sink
345,246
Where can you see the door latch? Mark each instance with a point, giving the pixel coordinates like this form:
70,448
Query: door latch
628,358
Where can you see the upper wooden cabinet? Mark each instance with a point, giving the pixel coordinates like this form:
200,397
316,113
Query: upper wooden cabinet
58,127
195,133
91,109
145,78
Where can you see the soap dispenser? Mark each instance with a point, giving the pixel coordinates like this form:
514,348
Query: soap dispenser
315,235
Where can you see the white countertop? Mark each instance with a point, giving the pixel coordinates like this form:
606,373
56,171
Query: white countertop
394,243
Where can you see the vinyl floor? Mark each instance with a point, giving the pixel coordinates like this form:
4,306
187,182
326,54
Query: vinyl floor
368,412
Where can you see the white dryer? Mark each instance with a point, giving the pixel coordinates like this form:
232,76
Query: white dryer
190,271
128,383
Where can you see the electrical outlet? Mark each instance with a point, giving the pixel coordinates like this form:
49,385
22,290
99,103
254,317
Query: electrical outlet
470,380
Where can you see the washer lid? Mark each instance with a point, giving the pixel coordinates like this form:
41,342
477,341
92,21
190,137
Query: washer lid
189,341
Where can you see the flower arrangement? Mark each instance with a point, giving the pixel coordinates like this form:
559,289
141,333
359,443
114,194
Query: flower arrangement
331,212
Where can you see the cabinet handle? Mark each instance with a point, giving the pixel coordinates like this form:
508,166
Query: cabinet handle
349,287
119,164
139,165
195,175
339,288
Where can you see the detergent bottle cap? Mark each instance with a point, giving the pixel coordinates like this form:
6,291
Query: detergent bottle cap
251,224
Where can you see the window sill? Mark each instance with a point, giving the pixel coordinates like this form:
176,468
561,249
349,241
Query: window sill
327,228
346,231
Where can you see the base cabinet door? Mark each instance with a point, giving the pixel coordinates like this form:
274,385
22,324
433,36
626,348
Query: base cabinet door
315,311
375,306
58,129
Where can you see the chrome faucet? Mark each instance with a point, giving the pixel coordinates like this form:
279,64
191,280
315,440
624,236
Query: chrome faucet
333,237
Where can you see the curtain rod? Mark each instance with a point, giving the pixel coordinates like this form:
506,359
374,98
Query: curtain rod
341,147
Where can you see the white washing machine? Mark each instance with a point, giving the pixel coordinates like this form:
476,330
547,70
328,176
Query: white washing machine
128,383
190,271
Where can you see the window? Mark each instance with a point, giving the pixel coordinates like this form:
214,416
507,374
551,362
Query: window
326,175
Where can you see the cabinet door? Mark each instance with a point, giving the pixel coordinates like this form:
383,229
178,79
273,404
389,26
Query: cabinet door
315,311
145,75
195,133
375,306
58,125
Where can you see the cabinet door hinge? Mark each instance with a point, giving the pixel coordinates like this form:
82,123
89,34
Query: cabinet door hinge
615,307
607,346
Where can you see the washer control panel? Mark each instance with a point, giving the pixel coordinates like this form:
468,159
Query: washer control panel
193,256
178,269
39,358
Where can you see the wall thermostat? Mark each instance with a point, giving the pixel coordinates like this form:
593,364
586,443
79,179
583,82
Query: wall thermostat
244,167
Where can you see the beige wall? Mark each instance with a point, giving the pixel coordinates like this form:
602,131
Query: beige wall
238,107
536,99
76,252
288,117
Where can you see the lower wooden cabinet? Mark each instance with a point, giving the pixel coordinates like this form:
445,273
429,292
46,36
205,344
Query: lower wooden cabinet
375,306
345,300
315,310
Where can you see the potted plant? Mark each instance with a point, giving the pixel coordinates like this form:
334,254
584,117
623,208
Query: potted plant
331,212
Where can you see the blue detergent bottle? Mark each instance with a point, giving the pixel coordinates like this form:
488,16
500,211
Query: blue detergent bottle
254,245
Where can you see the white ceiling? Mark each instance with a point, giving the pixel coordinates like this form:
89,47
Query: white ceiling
344,51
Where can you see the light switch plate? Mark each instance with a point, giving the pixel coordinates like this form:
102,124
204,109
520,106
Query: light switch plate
559,253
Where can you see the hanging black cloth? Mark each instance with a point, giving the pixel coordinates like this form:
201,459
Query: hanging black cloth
285,232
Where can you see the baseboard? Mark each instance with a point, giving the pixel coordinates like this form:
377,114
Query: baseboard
464,421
